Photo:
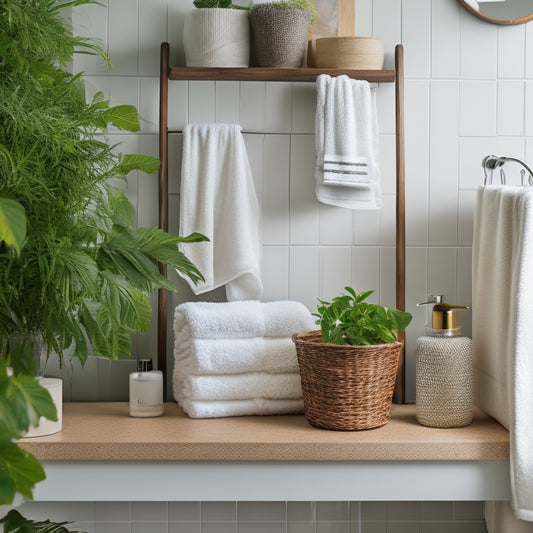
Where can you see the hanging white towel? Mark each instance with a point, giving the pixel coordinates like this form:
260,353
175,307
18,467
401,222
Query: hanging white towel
502,307
241,320
218,199
276,355
347,143
255,406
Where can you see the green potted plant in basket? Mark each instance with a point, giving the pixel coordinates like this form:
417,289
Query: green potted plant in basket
217,34
74,272
280,32
348,367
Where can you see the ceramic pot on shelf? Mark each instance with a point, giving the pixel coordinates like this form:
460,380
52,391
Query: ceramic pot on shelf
217,37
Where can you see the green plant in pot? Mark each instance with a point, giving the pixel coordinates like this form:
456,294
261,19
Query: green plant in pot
280,32
348,367
74,273
217,34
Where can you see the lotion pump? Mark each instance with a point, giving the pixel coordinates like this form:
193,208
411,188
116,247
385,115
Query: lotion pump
444,385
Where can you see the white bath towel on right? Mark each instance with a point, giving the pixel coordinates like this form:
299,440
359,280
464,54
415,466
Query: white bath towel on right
502,335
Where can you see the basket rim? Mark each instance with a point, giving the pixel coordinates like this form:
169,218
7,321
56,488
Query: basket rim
315,337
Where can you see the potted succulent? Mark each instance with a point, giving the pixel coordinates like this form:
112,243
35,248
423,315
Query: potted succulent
74,273
280,32
217,34
348,367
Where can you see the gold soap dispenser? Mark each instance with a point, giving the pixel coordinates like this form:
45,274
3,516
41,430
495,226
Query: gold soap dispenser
444,384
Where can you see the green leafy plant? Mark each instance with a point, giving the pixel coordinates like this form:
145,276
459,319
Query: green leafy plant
74,272
347,319
305,5
14,522
224,4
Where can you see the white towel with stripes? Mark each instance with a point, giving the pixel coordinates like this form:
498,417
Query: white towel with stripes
347,143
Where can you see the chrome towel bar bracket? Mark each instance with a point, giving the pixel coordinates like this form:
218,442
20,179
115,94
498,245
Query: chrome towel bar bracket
492,162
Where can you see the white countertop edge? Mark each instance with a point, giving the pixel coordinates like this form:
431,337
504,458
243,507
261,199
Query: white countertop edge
274,481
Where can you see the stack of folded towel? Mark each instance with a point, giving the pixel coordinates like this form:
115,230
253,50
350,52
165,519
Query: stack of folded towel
237,358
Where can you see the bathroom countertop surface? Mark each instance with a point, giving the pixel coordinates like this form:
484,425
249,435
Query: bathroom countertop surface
105,431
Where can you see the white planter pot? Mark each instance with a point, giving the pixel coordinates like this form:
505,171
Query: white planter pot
216,37
48,427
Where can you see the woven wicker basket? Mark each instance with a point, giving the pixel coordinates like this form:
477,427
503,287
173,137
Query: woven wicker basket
346,387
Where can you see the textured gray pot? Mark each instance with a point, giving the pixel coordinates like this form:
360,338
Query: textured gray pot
279,35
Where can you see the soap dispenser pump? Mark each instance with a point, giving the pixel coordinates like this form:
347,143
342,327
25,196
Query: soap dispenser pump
444,384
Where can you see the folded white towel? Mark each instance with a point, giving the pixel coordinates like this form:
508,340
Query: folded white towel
218,199
347,143
502,306
255,406
237,386
241,320
276,355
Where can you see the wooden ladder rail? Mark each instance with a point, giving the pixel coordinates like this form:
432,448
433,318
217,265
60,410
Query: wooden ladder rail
166,72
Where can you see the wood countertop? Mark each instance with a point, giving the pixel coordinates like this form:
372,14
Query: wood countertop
105,431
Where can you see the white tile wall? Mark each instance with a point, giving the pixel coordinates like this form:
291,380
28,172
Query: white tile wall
469,92
263,517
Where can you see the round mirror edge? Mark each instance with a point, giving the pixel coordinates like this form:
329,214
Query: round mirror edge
486,18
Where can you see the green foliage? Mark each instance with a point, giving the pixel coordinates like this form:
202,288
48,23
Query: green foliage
225,4
22,402
347,319
14,522
12,223
73,269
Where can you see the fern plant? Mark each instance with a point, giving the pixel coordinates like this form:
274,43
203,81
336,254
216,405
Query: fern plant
73,270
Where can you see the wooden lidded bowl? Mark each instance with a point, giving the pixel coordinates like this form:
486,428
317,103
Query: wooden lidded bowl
358,53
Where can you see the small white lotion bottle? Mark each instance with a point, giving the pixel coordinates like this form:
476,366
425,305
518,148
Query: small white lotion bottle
146,390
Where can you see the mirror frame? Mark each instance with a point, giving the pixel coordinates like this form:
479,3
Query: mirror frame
486,18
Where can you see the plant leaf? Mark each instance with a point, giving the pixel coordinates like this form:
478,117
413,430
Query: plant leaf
22,402
129,162
124,117
12,223
19,472
16,523
350,320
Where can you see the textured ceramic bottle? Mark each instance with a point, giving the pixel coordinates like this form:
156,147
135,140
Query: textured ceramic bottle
146,390
444,384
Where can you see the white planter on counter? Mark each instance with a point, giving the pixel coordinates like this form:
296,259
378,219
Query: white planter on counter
45,426
217,37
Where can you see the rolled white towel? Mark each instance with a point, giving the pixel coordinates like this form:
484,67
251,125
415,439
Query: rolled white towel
250,407
237,386
276,355
241,319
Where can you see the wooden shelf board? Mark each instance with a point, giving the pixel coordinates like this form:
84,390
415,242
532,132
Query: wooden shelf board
275,74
